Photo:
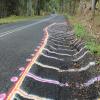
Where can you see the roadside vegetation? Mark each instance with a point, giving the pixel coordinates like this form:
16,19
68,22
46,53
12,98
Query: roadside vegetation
14,18
84,17
91,43
82,32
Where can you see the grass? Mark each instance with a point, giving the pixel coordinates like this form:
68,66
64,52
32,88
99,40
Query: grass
91,43
98,62
93,47
13,18
80,31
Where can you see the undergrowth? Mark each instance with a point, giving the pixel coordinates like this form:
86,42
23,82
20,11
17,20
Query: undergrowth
15,18
80,31
90,42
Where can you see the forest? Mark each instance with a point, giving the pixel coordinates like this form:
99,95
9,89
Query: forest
87,12
38,7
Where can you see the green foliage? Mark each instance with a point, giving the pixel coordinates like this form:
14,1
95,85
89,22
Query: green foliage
91,44
14,18
93,47
97,62
80,30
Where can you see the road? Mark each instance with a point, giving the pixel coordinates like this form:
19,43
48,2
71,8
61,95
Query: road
17,42
61,69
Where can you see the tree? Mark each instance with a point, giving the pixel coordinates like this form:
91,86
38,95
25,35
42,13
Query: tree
94,2
29,8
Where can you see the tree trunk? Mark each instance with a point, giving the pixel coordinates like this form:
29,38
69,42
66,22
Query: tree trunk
37,7
29,7
70,7
93,7
74,7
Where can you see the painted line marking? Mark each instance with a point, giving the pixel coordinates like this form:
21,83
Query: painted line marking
51,57
69,70
24,27
56,52
19,82
30,96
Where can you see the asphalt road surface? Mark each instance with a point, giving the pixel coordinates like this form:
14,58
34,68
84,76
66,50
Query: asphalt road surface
17,43
64,70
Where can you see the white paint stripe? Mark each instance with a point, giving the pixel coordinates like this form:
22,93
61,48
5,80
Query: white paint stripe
83,68
65,49
73,42
51,57
47,66
59,41
92,81
28,67
30,96
55,40
79,51
44,80
63,36
60,38
56,52
57,44
69,70
58,35
52,47
81,44
51,25
38,78
60,48
81,56
62,33
23,27
77,42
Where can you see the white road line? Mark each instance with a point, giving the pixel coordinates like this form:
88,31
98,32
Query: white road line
52,47
56,52
77,42
51,25
51,57
55,40
81,44
62,34
81,56
69,70
29,96
44,80
60,48
47,66
61,40
58,44
58,36
83,68
92,81
79,51
23,27
73,42
52,37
